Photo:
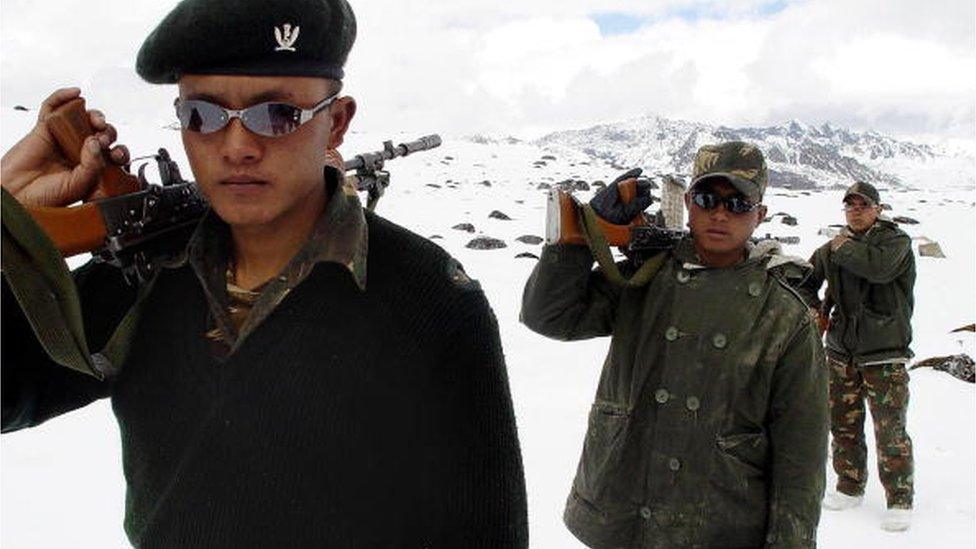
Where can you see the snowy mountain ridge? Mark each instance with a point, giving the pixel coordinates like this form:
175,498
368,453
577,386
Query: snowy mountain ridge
800,156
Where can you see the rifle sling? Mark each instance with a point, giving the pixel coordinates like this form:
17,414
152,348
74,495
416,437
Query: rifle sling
45,290
604,258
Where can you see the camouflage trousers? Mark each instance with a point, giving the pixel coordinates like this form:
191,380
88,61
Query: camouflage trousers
885,387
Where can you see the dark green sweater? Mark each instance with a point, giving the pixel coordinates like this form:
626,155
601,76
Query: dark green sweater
347,419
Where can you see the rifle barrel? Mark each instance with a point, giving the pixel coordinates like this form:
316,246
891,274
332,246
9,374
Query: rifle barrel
374,160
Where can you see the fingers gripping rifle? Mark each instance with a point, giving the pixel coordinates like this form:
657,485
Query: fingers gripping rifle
370,175
125,221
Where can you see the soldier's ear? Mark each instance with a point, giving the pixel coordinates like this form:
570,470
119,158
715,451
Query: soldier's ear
341,112
761,212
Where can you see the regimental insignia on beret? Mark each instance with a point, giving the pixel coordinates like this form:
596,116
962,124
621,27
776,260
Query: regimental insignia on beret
286,37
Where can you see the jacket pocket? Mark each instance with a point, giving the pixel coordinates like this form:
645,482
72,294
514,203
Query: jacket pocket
602,449
747,450
879,332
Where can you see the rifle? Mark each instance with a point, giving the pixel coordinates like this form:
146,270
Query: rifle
640,238
371,177
135,225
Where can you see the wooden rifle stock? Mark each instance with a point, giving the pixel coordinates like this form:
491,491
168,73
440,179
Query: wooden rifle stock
562,218
79,229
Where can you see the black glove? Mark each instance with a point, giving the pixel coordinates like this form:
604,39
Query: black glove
606,203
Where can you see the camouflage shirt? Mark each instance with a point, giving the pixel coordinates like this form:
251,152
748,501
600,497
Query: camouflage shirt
339,236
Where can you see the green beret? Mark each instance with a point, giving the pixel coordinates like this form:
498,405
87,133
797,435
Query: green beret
249,37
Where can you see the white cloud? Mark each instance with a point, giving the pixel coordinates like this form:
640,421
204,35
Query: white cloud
531,66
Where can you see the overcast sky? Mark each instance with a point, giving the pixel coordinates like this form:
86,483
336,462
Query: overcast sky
527,67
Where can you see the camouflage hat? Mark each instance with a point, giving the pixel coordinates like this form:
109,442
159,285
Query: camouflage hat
249,37
741,164
865,191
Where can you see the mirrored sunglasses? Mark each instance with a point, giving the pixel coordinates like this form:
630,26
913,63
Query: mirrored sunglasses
735,204
267,119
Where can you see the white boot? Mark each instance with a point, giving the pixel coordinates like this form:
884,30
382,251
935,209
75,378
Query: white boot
896,519
839,501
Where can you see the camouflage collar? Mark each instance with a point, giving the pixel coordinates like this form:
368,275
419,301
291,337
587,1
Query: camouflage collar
339,236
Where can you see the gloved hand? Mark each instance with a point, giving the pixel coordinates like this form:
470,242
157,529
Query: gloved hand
607,204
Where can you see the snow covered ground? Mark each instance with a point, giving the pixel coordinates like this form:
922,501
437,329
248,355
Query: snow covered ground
61,484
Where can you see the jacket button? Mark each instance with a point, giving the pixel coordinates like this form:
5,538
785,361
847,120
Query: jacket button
719,341
674,464
692,403
755,289
645,513
661,395
671,333
683,276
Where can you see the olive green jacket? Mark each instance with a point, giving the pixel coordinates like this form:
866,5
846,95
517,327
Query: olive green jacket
870,282
709,427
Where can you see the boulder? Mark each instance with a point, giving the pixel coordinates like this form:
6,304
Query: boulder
486,243
527,255
904,220
530,239
464,227
930,249
495,214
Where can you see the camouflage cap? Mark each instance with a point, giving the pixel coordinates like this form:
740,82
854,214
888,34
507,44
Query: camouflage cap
249,37
865,191
741,164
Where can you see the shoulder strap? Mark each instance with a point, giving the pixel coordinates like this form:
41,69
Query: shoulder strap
601,252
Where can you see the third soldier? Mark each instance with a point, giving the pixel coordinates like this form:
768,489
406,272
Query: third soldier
870,274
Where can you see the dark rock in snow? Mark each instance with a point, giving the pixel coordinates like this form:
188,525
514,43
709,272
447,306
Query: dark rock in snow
435,237
905,220
486,183
959,366
599,184
434,185
464,227
581,185
788,220
20,108
543,186
527,254
548,157
495,214
530,239
486,243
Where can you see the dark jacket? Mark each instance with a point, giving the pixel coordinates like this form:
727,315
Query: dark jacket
709,427
347,418
870,282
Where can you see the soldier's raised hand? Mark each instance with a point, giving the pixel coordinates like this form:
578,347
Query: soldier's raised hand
35,171
608,204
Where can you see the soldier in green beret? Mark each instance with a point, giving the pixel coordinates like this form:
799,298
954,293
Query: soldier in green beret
866,313
271,395
709,426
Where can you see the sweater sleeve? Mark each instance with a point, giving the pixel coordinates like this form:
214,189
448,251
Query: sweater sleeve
480,464
566,299
798,436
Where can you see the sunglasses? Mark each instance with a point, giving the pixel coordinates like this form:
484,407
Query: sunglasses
857,207
733,204
267,119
